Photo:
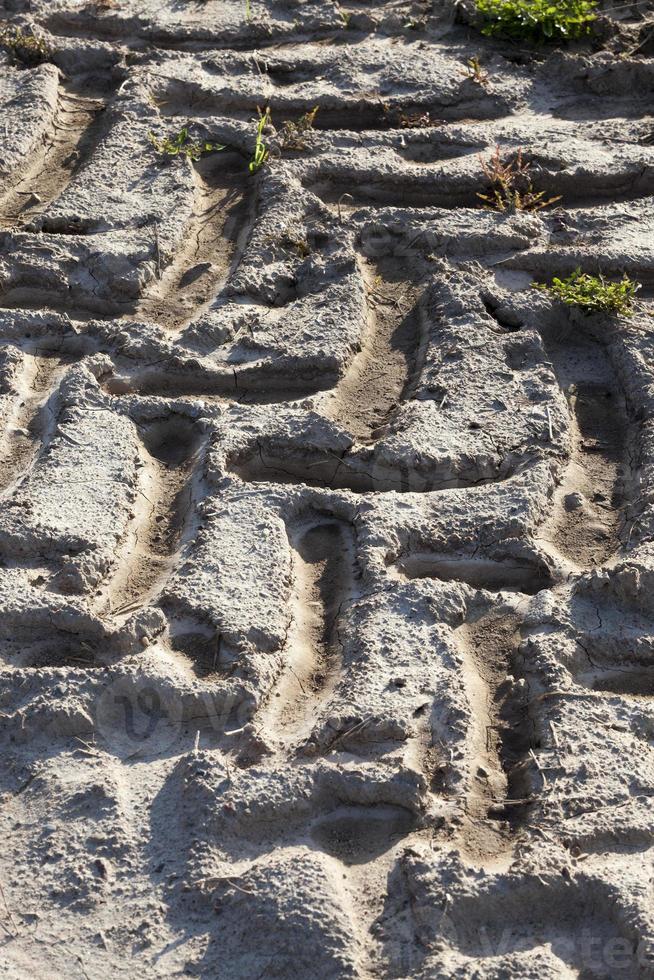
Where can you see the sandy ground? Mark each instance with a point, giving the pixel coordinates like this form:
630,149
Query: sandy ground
326,541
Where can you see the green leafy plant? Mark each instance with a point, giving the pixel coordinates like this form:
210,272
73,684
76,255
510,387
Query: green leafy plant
30,49
511,185
537,20
594,294
293,133
261,151
248,11
181,145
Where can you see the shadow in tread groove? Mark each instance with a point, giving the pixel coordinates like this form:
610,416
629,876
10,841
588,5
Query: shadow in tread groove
620,669
361,473
381,374
568,919
587,512
323,572
500,736
33,419
213,242
483,573
357,834
162,509
78,128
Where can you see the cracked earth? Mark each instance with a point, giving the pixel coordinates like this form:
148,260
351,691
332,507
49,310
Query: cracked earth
326,541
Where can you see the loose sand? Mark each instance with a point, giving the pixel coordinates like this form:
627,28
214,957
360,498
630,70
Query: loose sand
326,541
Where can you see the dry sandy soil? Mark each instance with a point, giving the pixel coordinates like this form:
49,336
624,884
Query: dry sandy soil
327,542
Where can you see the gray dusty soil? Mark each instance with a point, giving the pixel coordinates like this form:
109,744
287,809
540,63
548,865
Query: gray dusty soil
326,541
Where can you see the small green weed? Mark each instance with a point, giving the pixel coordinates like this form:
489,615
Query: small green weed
297,243
294,133
511,185
406,120
248,11
594,294
27,48
537,20
415,24
261,151
181,146
475,72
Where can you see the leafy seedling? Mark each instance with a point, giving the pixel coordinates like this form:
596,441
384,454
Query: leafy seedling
297,243
475,72
181,145
537,20
415,24
248,11
26,48
405,120
511,185
261,151
594,294
293,134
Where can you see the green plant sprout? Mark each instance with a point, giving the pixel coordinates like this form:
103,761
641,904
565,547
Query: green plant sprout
511,185
28,48
181,145
415,23
261,152
594,294
537,20
248,11
417,119
293,133
474,71
298,242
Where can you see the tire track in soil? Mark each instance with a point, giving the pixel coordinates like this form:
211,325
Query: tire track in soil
383,372
508,575
359,116
162,511
323,574
499,739
636,681
198,41
78,128
583,530
220,386
625,669
194,645
451,190
365,838
348,196
361,473
33,417
213,245
368,841
586,518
